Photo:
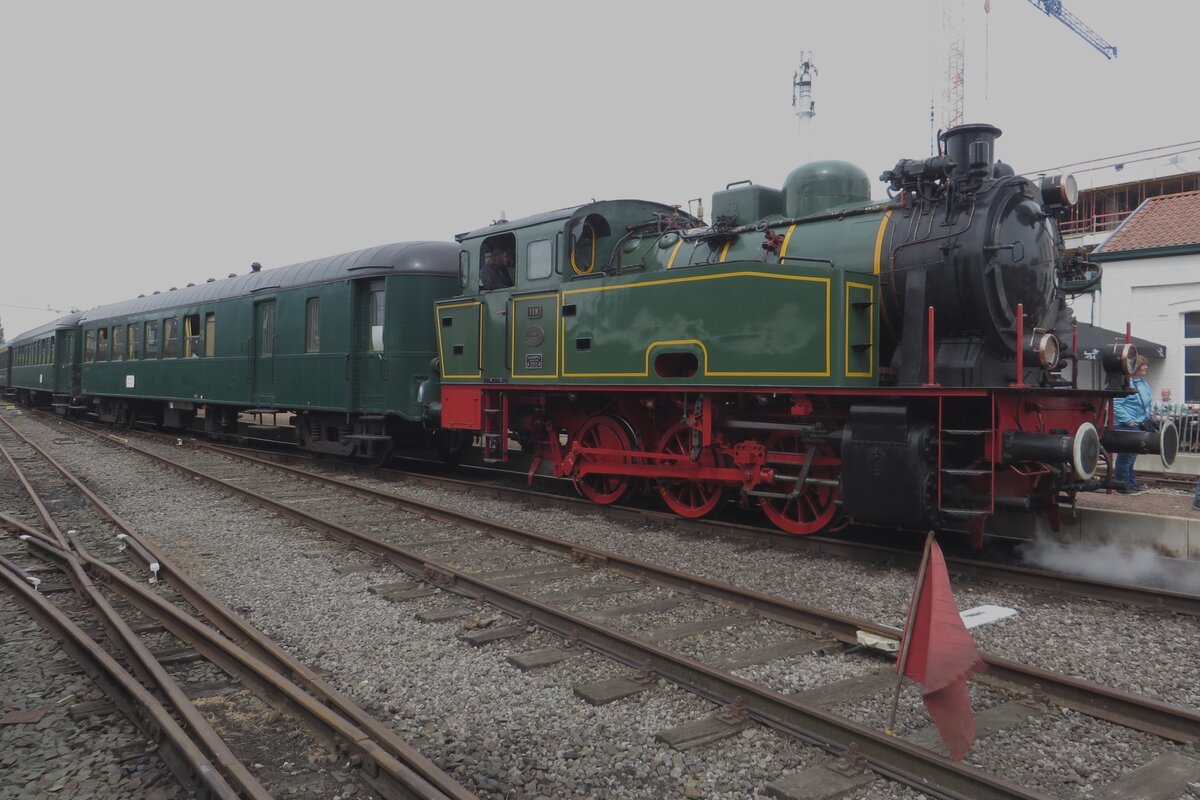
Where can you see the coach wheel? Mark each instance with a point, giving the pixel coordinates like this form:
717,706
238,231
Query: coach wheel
604,433
380,453
813,508
691,499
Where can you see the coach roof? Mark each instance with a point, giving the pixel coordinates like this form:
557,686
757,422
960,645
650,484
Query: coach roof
402,258
62,323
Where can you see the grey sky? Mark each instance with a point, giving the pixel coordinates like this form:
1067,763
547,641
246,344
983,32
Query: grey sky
149,145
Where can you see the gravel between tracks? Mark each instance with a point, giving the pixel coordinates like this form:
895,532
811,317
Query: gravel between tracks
524,734
98,756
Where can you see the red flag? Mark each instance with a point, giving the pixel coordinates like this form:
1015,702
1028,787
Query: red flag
941,655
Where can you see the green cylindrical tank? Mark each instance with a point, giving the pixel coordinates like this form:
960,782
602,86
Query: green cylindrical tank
821,185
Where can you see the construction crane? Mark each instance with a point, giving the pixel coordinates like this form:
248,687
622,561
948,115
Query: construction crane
1054,8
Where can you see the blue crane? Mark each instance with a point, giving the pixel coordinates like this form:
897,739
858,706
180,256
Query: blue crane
1054,8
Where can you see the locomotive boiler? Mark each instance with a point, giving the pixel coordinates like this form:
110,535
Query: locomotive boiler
810,351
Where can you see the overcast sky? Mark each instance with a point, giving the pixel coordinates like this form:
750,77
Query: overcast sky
149,145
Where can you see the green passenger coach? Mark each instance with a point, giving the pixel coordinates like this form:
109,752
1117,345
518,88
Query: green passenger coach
44,364
344,343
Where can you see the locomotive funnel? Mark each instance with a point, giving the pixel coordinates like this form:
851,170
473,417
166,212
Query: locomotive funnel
971,148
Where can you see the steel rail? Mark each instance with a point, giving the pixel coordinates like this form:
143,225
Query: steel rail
405,771
183,757
894,758
1025,577
1102,702
1089,698
145,666
1152,716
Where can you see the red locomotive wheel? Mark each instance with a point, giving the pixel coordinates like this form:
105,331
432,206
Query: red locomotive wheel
691,499
813,508
604,433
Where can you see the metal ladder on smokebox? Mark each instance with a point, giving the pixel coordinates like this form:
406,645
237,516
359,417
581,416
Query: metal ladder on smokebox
494,432
957,472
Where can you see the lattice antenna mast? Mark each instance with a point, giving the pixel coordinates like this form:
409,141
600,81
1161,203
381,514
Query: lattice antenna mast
802,80
952,95
1054,8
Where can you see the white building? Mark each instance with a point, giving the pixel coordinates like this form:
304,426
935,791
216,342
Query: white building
1152,281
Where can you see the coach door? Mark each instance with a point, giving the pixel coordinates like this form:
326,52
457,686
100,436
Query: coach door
262,354
370,361
67,378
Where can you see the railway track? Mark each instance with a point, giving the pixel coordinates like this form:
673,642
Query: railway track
883,755
499,484
134,614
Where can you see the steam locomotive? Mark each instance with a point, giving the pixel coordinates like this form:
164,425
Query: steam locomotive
810,352
898,363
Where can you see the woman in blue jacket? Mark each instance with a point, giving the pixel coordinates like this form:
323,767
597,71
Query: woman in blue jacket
1133,412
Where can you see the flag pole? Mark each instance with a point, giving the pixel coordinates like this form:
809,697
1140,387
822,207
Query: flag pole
907,632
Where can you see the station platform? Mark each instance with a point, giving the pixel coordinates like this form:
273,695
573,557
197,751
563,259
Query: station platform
1160,519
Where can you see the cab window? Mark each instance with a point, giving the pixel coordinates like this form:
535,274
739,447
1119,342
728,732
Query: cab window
497,269
539,259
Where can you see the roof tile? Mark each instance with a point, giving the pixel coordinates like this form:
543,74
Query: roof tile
1171,220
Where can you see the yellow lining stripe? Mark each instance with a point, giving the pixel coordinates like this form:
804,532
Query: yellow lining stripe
879,237
870,327
768,275
674,252
441,347
786,238
557,310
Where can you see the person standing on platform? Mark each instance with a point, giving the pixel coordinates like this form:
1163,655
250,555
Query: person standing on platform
1134,412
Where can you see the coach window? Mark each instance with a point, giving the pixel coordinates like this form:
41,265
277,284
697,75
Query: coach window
135,341
152,339
210,334
170,333
375,304
312,325
102,344
539,259
89,346
118,343
191,336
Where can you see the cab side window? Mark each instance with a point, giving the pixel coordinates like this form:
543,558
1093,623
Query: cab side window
539,259
498,269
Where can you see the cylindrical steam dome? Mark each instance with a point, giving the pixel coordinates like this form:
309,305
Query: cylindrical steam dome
814,187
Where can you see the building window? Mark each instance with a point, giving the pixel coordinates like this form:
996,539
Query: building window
152,339
312,325
210,335
1191,357
191,336
170,331
135,341
118,343
102,344
539,259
